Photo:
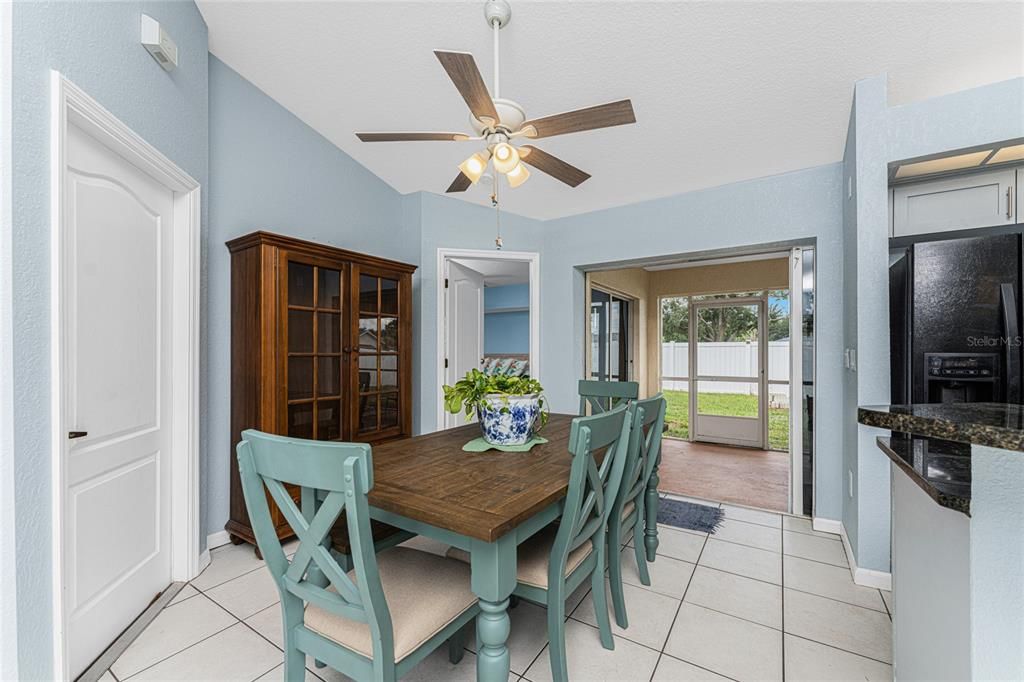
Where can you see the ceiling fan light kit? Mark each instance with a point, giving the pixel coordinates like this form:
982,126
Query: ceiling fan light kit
517,175
474,166
504,157
498,122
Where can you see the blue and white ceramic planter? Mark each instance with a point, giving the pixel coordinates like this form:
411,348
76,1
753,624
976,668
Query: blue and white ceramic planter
508,419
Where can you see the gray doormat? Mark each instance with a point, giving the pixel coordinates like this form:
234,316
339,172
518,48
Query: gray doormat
689,515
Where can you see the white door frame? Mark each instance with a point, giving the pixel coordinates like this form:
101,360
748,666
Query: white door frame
796,382
796,290
443,255
8,566
69,104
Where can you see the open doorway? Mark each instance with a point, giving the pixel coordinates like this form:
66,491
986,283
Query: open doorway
728,418
488,305
730,344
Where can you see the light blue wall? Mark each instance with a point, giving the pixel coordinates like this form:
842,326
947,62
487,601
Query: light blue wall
450,223
870,539
507,332
849,386
508,296
96,45
802,206
991,113
270,171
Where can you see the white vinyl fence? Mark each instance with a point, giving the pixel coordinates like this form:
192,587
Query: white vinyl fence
726,359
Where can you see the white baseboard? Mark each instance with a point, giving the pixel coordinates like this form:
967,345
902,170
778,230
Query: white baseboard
215,540
827,526
866,577
871,578
204,561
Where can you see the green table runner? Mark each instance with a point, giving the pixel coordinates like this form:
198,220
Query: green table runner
481,445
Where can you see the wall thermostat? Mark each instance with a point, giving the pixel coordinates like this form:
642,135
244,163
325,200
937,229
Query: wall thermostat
159,44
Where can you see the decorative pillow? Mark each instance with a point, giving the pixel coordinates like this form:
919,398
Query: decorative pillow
502,366
488,365
518,368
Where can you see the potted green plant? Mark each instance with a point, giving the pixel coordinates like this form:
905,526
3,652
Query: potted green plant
510,408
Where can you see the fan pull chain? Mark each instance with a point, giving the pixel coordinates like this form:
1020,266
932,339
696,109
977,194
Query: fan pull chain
497,215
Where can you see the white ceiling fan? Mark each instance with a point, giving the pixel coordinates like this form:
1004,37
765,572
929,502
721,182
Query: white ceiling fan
498,122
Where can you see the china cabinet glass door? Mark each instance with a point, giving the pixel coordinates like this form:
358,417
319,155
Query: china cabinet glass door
378,356
314,366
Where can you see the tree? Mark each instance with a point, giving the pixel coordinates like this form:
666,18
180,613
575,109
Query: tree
778,322
675,320
735,323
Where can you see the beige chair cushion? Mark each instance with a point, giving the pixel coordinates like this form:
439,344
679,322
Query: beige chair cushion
628,509
533,557
425,592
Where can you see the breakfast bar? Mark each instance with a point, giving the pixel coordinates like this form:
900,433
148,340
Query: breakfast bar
957,538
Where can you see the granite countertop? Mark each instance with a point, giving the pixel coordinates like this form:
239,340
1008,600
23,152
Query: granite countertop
997,425
939,467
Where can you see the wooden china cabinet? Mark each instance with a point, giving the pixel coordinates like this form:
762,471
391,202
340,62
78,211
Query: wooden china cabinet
321,348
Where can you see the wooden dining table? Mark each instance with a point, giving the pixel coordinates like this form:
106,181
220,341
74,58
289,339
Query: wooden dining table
485,503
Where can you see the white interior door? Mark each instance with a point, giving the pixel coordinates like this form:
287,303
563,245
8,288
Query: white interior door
465,326
116,308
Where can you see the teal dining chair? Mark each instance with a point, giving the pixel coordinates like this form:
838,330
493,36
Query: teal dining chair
629,510
559,558
385,615
605,395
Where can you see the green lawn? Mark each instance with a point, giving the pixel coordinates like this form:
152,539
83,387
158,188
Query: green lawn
731,404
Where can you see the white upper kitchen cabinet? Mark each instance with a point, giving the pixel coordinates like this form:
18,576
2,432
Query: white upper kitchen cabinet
958,203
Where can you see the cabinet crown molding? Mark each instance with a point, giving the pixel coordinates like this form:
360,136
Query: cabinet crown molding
312,248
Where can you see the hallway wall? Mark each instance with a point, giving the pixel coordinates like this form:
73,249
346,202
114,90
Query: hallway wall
96,46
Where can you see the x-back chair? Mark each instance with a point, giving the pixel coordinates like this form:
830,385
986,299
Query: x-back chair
629,512
385,615
606,395
558,559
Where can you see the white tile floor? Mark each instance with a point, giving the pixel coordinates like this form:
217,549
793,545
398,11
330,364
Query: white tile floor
764,598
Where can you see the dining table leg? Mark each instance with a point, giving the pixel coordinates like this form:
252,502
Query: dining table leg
493,578
651,512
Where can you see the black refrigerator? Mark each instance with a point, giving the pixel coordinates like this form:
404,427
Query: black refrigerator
954,317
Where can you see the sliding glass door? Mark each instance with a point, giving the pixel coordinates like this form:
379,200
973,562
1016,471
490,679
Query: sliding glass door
610,348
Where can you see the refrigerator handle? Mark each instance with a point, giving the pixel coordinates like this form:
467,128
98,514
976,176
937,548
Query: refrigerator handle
1011,340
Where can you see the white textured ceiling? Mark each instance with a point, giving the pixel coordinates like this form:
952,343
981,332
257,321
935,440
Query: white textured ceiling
723,91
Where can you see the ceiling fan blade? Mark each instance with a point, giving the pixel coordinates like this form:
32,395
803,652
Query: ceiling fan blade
459,184
410,137
552,165
461,68
602,116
